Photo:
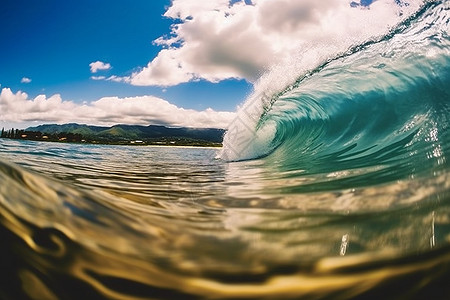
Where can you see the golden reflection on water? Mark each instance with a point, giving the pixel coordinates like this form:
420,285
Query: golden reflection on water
220,237
33,287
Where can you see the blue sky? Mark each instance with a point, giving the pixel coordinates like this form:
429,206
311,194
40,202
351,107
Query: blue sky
52,43
173,62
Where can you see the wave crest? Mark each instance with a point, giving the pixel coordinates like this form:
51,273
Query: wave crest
374,94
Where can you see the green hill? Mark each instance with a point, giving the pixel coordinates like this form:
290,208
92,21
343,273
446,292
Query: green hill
126,133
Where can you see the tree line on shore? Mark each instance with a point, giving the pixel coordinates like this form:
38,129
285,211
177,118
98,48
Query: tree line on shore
39,136
71,137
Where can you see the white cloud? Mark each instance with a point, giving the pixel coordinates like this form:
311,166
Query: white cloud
117,79
99,65
98,77
143,110
25,80
112,78
215,41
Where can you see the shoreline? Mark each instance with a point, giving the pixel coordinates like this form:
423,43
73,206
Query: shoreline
119,135
159,143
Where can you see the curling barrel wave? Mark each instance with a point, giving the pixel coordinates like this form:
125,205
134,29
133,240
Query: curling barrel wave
385,102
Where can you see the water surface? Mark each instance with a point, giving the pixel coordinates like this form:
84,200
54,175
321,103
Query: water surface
336,187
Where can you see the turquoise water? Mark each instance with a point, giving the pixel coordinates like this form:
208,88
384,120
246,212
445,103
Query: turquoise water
335,187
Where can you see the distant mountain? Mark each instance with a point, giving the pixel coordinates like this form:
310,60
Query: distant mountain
134,132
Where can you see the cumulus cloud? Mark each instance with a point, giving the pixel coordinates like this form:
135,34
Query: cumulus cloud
99,65
143,110
221,39
25,80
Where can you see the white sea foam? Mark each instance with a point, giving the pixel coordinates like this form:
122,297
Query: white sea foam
346,29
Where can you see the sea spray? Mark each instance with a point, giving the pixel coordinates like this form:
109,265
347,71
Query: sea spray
244,139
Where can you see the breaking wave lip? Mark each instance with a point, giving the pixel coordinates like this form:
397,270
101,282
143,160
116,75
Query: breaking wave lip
376,95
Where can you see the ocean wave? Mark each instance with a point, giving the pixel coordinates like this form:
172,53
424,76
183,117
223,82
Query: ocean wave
372,97
334,187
